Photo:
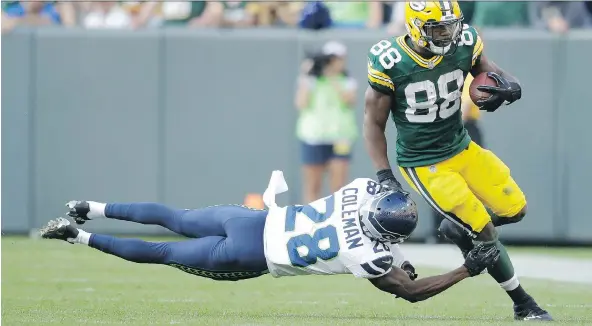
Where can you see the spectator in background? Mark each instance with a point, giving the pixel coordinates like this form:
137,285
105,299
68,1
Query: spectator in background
588,5
146,14
38,13
236,14
278,13
134,10
8,23
315,15
396,25
287,13
261,12
182,13
387,10
326,124
501,14
355,14
107,14
192,14
559,16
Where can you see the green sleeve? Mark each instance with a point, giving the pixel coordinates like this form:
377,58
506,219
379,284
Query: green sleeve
378,79
477,43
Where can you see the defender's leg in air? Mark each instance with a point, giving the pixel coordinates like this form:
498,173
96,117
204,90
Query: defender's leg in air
192,223
237,255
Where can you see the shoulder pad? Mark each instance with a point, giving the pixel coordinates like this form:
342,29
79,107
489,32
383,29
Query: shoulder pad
470,38
382,57
378,266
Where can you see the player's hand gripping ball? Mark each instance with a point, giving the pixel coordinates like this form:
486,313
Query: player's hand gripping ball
481,80
489,91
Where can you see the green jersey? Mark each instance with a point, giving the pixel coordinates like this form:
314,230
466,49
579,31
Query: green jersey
426,95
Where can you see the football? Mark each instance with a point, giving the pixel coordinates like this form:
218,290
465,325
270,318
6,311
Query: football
480,80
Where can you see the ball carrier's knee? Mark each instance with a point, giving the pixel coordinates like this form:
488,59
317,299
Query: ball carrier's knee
463,240
502,220
456,235
461,237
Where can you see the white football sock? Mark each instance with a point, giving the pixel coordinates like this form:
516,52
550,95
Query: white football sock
82,238
510,284
96,209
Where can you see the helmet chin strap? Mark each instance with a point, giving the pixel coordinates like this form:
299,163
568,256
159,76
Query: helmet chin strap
439,50
430,46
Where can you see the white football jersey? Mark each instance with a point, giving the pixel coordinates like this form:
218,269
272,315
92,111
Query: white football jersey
325,237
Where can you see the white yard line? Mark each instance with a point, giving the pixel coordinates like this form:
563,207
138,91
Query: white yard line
526,265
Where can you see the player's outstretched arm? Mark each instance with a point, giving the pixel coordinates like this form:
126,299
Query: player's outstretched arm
397,281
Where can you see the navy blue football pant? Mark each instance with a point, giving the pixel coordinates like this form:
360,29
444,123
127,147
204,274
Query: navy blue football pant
227,240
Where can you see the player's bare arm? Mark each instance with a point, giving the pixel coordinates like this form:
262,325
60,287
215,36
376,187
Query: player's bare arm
397,281
376,112
508,88
486,65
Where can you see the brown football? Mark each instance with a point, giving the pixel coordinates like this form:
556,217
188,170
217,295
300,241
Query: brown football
480,80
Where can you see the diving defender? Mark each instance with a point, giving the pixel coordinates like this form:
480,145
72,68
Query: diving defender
356,230
418,78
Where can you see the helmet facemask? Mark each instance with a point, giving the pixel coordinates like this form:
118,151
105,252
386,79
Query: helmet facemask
442,37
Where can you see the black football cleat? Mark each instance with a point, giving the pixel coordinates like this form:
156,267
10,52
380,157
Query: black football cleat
531,311
78,211
59,229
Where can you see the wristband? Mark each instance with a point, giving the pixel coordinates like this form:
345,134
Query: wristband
385,174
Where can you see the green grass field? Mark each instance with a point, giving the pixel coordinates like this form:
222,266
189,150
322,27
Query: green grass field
50,282
565,252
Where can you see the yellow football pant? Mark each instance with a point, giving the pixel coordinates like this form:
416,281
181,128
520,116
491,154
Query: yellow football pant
460,187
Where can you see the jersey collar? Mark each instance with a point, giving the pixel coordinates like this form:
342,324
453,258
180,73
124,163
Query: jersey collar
425,63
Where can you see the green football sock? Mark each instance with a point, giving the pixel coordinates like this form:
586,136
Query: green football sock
503,273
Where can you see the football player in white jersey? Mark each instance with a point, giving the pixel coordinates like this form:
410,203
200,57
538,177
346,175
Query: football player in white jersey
353,231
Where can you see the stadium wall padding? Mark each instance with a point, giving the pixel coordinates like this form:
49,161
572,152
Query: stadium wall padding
195,118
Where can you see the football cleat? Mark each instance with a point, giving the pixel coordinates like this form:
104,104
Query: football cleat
531,311
60,229
78,211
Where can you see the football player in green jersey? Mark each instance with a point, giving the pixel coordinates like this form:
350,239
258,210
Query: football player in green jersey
418,78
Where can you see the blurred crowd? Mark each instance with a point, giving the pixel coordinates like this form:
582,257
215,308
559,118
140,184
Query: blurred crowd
556,16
